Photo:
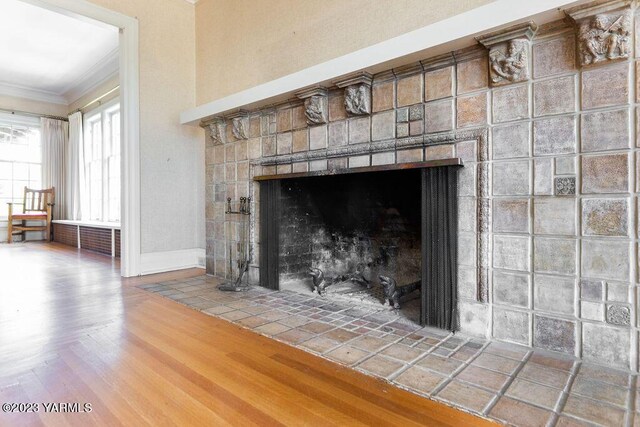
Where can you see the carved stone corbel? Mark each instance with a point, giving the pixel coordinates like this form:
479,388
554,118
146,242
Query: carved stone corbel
316,105
603,31
216,130
240,125
509,53
357,93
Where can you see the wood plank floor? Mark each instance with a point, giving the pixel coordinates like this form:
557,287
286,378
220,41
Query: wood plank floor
72,331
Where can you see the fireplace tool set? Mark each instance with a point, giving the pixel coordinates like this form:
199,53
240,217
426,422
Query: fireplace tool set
242,246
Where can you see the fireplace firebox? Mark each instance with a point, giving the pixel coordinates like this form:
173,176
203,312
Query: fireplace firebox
390,231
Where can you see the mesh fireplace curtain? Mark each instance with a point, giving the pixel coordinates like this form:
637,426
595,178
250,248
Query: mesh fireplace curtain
439,247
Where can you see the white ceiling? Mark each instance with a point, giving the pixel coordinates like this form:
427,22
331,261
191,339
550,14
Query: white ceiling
47,56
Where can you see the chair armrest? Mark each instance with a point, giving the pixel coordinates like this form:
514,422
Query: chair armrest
15,203
51,204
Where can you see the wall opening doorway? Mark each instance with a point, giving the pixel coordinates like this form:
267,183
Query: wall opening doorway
122,161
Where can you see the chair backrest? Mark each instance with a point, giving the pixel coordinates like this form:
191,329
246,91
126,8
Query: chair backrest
37,200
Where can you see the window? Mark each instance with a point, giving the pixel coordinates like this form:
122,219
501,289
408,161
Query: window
20,159
102,163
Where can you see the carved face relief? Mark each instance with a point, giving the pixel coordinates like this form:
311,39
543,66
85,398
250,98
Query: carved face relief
215,132
238,128
509,62
316,110
604,37
357,99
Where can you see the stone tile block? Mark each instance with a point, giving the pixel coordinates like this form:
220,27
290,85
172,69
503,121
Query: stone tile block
511,288
230,172
300,167
359,130
337,110
511,215
593,411
269,146
472,75
618,292
437,152
383,96
565,165
465,395
402,130
554,294
383,125
515,412
472,110
537,394
511,141
606,259
592,311
317,137
339,163
337,134
317,165
416,112
466,150
282,169
605,86
604,131
605,344
409,90
254,126
554,255
554,56
284,120
359,161
511,178
241,150
554,96
383,159
483,378
510,325
474,318
605,217
541,368
420,379
438,83
554,334
542,177
300,141
512,252
284,142
467,282
230,152
299,118
412,155
416,127
467,180
565,186
554,215
467,214
554,136
496,363
438,116
605,173
402,115
254,148
510,103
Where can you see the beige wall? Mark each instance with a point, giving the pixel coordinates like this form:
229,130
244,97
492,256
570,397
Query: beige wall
171,155
242,43
30,106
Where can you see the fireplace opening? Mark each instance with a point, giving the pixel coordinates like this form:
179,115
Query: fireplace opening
376,238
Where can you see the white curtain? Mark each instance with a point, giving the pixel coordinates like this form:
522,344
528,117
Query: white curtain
55,134
74,178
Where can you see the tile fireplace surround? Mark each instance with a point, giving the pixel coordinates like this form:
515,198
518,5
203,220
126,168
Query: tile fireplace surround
545,121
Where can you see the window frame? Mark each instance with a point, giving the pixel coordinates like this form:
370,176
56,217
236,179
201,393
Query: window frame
104,112
31,122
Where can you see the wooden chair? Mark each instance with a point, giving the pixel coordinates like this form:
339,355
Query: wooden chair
36,206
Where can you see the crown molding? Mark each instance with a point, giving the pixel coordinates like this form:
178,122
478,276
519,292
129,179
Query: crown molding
17,91
105,69
191,1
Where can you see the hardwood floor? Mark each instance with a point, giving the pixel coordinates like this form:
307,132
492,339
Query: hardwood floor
71,330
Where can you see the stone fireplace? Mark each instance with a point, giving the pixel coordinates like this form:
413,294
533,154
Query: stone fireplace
348,233
544,121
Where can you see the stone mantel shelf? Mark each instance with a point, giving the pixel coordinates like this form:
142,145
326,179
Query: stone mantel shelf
382,168
443,36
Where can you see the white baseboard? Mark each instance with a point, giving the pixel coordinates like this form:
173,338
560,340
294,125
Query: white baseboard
159,262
